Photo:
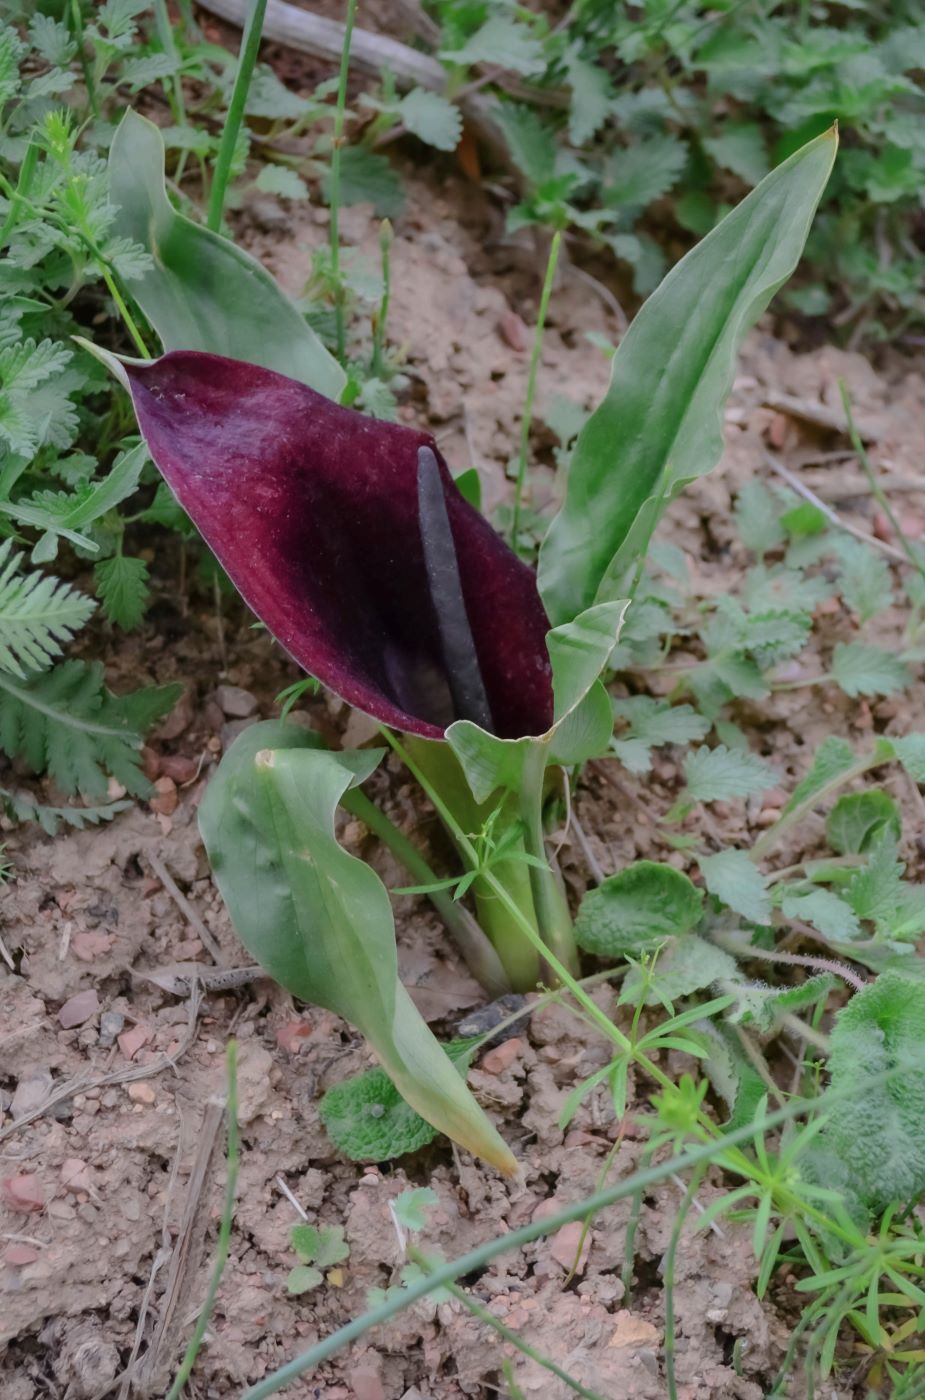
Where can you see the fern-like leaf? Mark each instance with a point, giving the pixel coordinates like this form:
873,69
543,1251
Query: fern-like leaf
20,808
37,613
67,723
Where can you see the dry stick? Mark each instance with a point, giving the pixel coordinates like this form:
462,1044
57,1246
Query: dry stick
186,909
797,485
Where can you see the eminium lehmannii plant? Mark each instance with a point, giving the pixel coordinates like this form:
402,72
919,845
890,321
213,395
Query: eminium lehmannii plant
349,539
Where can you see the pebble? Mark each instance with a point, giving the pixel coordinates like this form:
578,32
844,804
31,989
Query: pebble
31,1090
131,1041
111,1023
564,1246
235,702
78,1009
234,727
633,1331
75,1175
502,1057
367,1383
142,1093
290,1036
180,767
513,330
18,1255
180,718
24,1192
87,945
165,800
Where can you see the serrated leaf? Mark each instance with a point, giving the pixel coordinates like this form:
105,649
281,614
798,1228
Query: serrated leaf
636,909
21,808
530,142
68,723
322,1245
910,750
859,819
757,515
865,582
37,614
280,180
368,178
592,97
69,513
862,669
412,1207
502,42
825,911
740,147
431,118
735,880
714,775
122,583
832,759
643,172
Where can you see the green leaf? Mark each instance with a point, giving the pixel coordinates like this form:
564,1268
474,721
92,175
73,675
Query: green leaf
757,514
865,583
21,808
322,1245
833,758
204,292
530,142
740,148
639,174
583,718
735,879
877,1130
368,1120
731,1073
910,750
713,775
319,920
660,424
652,723
303,1278
122,583
861,669
68,513
592,96
412,1207
636,909
280,180
684,966
37,613
431,118
367,178
68,723
858,819
825,911
503,43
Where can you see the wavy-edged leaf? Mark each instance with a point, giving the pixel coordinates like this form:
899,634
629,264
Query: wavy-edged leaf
204,292
319,920
660,424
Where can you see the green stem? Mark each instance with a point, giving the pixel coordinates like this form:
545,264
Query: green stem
123,310
531,383
552,912
697,1176
509,1336
385,248
335,182
770,838
224,1231
250,44
84,61
19,194
475,947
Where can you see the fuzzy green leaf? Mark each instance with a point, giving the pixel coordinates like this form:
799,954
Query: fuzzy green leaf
637,909
122,583
685,965
858,819
502,42
735,879
411,1207
431,118
861,669
714,775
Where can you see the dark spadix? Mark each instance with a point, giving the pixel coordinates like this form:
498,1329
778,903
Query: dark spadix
348,538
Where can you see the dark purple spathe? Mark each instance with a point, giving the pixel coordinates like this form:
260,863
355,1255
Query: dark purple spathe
313,511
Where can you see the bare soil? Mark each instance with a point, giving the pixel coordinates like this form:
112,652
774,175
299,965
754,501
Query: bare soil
108,1107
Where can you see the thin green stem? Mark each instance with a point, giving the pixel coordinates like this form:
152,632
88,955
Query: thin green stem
334,201
224,1230
470,939
123,310
382,316
477,1259
671,1255
531,383
250,44
876,489
510,1336
552,912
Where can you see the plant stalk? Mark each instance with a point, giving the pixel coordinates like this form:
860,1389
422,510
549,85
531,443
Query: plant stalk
247,58
334,200
552,911
479,955
551,262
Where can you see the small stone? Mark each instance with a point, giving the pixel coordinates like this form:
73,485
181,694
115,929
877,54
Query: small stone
32,1090
768,816
150,763
87,945
165,799
131,1041
17,1256
564,1247
513,330
180,718
367,1383
234,727
142,1093
78,1009
881,528
502,1057
75,1175
235,702
111,1023
180,767
24,1192
633,1331
290,1036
